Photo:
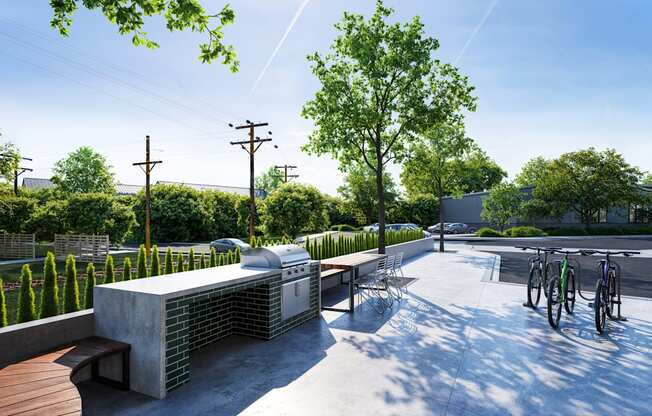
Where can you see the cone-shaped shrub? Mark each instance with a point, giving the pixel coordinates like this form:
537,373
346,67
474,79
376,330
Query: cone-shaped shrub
3,306
202,261
26,307
213,258
221,260
237,254
90,284
109,273
50,290
180,267
169,268
155,263
71,287
230,257
191,259
126,269
141,262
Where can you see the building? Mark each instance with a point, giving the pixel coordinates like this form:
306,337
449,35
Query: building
124,189
468,208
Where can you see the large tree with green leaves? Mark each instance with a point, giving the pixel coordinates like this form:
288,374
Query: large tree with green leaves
502,204
479,172
129,17
586,182
361,194
293,208
436,166
532,172
83,171
9,160
380,86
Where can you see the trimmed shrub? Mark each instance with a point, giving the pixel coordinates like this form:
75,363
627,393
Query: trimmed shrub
191,260
155,262
605,231
525,231
71,287
213,259
109,274
141,262
567,231
3,306
180,268
126,269
90,284
488,232
26,308
50,290
202,261
221,261
169,267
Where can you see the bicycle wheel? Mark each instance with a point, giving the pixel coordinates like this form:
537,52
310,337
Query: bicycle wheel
612,298
554,302
534,286
547,276
600,307
569,303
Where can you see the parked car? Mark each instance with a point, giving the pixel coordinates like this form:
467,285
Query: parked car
224,245
435,228
452,228
373,228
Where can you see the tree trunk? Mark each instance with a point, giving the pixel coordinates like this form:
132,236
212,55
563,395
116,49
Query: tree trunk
441,223
381,201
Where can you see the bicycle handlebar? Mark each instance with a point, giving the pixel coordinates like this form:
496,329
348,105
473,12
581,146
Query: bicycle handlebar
567,251
551,249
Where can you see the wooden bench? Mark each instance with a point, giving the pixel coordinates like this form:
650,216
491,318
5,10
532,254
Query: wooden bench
42,385
331,272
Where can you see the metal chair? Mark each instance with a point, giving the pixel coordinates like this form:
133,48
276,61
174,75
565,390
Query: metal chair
398,263
374,288
393,283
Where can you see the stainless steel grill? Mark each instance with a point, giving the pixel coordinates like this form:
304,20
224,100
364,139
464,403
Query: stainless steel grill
294,263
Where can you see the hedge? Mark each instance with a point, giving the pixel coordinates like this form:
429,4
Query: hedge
328,246
489,232
524,231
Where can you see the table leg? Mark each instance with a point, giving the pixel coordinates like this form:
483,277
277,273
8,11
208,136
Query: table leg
352,279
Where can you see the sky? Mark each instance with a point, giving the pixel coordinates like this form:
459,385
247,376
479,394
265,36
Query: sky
550,77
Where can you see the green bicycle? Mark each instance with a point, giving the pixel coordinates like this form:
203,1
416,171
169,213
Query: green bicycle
561,289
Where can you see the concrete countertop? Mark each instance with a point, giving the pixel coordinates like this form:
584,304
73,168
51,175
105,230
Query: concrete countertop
179,284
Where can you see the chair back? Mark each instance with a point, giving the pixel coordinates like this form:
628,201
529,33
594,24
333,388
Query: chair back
398,260
381,265
389,264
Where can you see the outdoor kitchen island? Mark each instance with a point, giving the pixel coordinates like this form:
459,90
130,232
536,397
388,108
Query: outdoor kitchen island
164,318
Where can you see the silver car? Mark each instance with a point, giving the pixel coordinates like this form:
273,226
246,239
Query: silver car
224,245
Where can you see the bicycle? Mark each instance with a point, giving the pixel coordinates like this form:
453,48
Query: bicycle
561,289
540,268
607,288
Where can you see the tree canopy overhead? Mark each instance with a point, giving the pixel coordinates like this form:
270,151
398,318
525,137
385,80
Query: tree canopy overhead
129,16
83,170
380,87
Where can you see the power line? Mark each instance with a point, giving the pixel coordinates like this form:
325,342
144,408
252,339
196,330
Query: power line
147,167
285,176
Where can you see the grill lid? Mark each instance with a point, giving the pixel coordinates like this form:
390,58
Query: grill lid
274,257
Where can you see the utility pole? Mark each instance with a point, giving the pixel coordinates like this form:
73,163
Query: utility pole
253,143
285,168
147,167
18,171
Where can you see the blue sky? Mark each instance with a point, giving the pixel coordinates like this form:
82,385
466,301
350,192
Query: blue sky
551,77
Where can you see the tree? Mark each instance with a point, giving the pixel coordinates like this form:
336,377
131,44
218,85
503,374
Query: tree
83,171
169,268
202,261
436,164
647,179
270,180
90,284
532,172
155,263
588,182
50,289
130,18
339,211
141,263
26,307
126,269
109,274
502,204
479,172
191,260
380,85
15,213
180,268
361,193
9,160
213,258
4,321
293,208
97,213
418,209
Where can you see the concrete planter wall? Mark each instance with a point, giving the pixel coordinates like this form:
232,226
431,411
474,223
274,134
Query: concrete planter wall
22,341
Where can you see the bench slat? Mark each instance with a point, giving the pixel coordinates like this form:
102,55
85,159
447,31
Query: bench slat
331,272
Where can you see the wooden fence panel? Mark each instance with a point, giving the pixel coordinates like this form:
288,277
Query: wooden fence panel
17,246
85,248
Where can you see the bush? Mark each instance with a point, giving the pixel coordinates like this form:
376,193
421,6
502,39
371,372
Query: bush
71,287
141,262
488,232
3,306
524,231
126,269
49,219
605,231
420,209
15,212
191,260
293,208
202,261
155,262
50,290
567,231
26,307
96,213
90,284
169,268
213,258
109,274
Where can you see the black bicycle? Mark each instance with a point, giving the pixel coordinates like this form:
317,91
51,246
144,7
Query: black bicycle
607,288
540,271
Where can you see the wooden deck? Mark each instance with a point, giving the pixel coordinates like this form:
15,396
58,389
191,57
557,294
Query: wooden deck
42,385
